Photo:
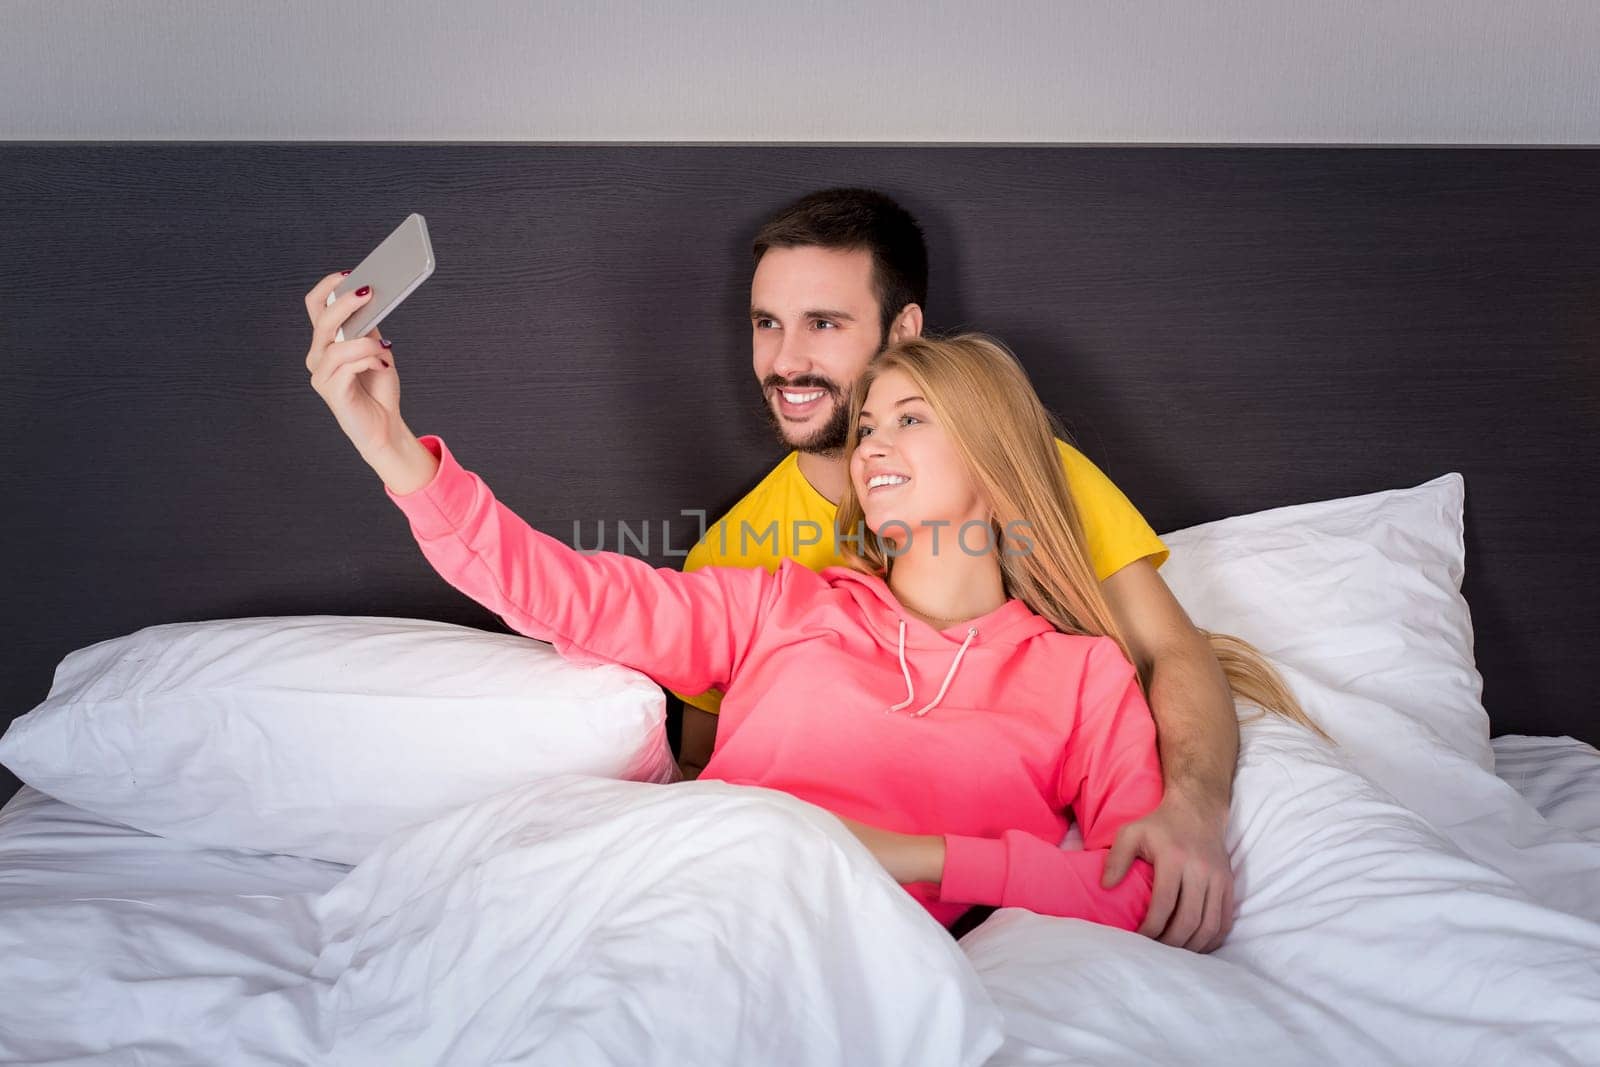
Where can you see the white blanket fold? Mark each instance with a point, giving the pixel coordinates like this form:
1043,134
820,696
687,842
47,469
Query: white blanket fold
585,921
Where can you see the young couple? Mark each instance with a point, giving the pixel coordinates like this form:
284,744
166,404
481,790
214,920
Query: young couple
978,643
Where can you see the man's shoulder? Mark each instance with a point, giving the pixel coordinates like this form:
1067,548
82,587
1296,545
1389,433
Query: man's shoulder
1089,484
772,487
1117,533
1072,456
766,502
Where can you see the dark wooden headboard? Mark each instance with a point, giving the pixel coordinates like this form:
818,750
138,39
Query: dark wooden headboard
1224,329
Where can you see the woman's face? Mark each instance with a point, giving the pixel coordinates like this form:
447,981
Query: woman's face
905,469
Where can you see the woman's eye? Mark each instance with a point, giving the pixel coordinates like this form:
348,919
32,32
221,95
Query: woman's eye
913,418
862,431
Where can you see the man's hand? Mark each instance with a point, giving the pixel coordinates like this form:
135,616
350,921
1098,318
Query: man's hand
1192,903
907,857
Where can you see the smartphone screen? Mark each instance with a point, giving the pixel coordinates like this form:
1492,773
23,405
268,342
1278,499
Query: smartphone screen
397,266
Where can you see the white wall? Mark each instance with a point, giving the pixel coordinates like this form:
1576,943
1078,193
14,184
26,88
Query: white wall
1207,71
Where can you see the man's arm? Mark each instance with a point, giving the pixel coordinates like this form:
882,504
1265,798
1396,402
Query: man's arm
1198,738
696,740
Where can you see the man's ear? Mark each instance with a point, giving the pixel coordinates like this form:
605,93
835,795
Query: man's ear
907,324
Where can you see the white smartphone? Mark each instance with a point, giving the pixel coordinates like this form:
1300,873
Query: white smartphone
394,269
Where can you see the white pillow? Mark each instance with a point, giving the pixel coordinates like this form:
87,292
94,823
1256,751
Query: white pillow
1359,601
321,735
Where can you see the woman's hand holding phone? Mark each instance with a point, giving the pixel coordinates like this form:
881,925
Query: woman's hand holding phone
358,381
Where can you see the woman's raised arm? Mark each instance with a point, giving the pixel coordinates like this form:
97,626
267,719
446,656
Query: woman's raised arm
689,632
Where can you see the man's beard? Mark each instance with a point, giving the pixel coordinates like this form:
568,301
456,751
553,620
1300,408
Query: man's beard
827,439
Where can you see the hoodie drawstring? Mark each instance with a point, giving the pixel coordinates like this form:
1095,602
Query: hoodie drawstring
910,695
972,631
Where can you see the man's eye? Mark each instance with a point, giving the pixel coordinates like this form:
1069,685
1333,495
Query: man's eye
761,323
825,322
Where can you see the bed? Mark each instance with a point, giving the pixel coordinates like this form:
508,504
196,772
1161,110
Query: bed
136,947
1391,349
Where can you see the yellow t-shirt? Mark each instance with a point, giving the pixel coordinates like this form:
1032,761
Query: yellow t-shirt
785,517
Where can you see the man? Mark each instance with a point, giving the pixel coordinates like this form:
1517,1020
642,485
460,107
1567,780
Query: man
841,274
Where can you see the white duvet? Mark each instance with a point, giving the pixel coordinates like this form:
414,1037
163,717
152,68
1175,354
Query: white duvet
587,921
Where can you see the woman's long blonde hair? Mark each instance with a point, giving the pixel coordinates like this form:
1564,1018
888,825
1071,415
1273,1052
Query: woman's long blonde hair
983,399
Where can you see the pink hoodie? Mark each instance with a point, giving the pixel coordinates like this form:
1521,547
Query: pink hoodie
982,733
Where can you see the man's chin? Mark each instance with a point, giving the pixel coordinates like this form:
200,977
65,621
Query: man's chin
811,436
814,443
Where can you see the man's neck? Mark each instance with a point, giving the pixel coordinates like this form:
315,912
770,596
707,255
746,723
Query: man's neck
827,472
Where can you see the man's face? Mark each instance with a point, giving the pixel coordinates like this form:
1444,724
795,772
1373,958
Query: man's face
814,328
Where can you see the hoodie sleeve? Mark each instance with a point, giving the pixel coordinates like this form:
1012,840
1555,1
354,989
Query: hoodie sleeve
1110,775
686,631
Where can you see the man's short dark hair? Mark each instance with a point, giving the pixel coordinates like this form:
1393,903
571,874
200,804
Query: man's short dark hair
848,219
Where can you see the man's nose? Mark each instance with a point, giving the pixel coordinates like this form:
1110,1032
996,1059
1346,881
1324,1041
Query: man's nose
791,359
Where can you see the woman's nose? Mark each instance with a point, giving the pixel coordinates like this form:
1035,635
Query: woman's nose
874,446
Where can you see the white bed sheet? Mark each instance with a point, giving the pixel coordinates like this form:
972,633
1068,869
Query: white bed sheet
181,934
184,937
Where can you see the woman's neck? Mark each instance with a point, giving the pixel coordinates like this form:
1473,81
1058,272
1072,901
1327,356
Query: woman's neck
947,587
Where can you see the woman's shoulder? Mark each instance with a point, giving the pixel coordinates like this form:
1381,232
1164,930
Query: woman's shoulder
795,580
1082,643
801,585
1085,652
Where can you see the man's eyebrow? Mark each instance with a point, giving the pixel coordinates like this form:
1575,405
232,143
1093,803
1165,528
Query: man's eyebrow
865,414
814,313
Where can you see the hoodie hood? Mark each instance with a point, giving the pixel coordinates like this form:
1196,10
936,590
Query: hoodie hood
1008,626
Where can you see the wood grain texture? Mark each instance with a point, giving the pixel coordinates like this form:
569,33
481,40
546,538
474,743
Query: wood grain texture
1223,330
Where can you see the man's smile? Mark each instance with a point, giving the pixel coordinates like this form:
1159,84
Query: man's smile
800,404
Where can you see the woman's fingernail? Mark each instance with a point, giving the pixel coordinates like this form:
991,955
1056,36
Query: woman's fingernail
364,290
345,271
386,343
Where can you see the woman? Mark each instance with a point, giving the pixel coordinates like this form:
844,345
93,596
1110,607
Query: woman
949,694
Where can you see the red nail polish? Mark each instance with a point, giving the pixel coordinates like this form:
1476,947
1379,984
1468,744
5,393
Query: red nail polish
386,343
344,272
364,290
385,362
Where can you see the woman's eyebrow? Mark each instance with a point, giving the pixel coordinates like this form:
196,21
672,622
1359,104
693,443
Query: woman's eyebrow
903,400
